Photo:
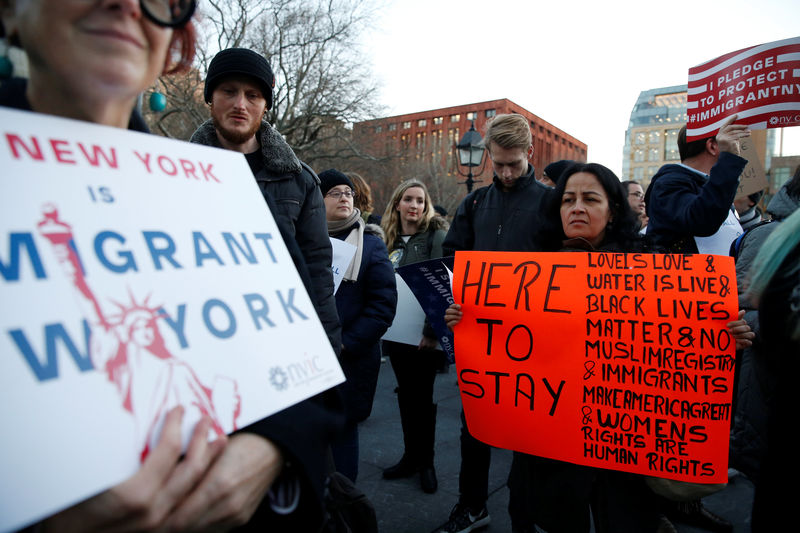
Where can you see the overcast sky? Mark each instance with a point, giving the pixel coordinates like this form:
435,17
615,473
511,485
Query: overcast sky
592,58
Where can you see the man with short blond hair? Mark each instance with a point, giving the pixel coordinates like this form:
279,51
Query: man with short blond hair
503,217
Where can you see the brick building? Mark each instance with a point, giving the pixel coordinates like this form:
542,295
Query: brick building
432,135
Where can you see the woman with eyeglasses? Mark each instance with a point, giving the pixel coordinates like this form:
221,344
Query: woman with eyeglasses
414,233
366,302
89,60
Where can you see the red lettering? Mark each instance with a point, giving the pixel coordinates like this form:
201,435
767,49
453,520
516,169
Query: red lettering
207,173
61,153
188,168
161,160
145,160
94,157
14,141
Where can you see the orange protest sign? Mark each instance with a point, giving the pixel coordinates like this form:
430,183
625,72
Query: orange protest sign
611,360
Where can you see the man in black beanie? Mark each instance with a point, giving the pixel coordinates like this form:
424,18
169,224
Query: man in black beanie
238,89
293,442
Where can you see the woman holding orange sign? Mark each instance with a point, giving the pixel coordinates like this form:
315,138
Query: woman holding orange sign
589,212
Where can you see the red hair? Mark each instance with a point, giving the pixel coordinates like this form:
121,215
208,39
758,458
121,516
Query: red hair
182,46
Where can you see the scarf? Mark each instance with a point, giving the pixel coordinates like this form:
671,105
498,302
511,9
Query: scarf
355,237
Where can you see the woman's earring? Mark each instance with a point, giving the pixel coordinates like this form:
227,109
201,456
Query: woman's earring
157,102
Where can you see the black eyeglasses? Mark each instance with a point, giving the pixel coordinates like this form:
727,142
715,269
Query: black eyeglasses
338,194
168,13
638,195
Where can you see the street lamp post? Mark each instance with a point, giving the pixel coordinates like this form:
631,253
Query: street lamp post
470,154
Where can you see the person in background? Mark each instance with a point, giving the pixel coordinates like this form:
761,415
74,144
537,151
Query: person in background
90,61
553,171
239,92
775,290
635,195
366,302
363,198
414,234
748,211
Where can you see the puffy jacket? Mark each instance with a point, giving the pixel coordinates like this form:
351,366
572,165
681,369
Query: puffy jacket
366,309
492,219
684,203
300,212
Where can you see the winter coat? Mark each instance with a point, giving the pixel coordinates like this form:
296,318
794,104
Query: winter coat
492,219
683,203
756,385
366,309
300,212
304,445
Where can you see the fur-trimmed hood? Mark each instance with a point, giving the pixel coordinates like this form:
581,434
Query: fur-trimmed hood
279,158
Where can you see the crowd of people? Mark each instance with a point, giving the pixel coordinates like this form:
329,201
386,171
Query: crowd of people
90,60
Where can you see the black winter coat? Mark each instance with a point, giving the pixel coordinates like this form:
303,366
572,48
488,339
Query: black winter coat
500,221
366,308
683,204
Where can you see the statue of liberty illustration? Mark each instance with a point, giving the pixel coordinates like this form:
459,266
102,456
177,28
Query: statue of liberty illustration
127,345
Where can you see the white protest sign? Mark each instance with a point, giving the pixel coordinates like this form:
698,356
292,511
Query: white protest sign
720,242
409,319
343,253
137,273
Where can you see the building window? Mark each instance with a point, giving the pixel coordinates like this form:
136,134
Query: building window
671,152
392,126
472,115
438,120
780,175
404,140
638,155
638,173
455,118
421,123
651,171
654,154
378,129
655,137
491,113
407,125
639,138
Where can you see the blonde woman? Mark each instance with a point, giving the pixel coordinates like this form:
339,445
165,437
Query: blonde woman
413,234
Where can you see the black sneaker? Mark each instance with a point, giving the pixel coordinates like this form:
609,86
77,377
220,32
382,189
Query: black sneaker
463,521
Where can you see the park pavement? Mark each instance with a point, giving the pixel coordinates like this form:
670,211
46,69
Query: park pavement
402,507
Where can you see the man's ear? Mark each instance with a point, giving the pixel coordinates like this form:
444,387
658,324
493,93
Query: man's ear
712,147
530,152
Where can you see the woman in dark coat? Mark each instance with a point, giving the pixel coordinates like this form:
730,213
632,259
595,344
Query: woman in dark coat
414,233
366,302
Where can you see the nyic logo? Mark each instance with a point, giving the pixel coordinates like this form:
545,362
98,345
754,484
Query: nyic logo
774,121
298,373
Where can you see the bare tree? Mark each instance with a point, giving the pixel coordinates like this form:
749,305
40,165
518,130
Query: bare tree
323,84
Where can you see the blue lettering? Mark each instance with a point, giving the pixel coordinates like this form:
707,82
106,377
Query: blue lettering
260,312
288,305
10,272
166,251
221,333
199,255
266,237
230,240
179,325
52,334
129,261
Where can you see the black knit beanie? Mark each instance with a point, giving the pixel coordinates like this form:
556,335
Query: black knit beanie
331,178
243,62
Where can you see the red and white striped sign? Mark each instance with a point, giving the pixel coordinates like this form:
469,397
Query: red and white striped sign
760,84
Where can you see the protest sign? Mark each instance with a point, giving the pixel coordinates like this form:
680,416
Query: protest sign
343,253
137,273
618,361
409,318
760,84
430,283
753,178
